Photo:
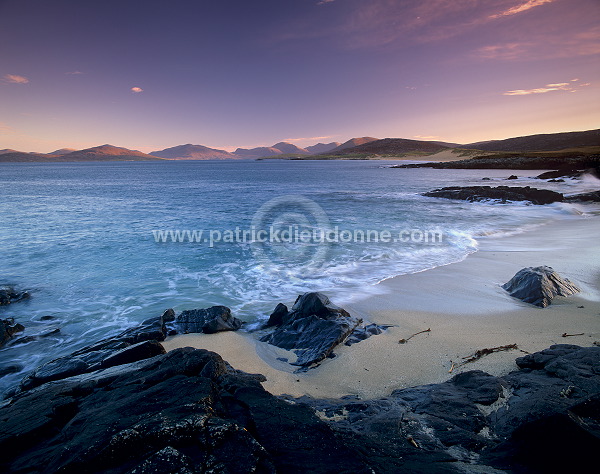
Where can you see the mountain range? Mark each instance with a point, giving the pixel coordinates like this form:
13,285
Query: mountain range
362,147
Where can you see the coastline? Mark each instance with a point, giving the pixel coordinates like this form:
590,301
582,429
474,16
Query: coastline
463,305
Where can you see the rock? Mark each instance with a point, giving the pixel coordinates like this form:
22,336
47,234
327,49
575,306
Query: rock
139,351
184,411
539,285
10,369
364,332
512,176
208,321
35,337
313,328
91,358
516,423
48,318
486,179
593,196
500,193
565,173
8,328
8,295
188,411
277,316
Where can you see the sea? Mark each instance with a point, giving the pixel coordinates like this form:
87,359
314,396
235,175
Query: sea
103,246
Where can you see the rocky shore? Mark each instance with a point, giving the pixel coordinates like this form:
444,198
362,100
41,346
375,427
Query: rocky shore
125,405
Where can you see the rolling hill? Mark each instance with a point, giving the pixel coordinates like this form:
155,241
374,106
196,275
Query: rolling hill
543,142
192,152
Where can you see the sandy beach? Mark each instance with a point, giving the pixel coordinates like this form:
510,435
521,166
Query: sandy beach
463,305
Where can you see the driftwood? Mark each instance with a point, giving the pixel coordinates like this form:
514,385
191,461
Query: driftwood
404,341
569,335
478,354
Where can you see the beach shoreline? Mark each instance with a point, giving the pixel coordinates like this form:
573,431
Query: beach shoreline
464,306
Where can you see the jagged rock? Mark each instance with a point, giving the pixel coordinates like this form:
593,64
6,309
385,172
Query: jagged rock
512,176
277,316
8,295
91,358
539,285
8,328
593,196
312,329
208,321
500,193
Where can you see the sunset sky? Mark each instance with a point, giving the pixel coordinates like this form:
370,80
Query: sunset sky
243,73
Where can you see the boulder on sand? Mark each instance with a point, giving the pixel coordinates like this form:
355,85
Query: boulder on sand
538,285
312,329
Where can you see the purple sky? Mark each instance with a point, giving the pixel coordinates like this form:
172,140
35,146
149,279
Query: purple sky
227,73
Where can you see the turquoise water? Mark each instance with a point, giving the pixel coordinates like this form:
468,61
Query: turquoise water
80,237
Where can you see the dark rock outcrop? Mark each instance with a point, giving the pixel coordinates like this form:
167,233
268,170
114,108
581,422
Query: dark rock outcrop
500,193
8,328
188,411
277,316
184,412
312,329
208,321
565,173
9,295
593,196
542,418
539,285
512,176
107,352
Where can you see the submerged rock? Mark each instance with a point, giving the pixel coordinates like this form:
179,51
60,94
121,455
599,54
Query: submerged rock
539,285
565,173
9,295
499,193
8,328
208,321
312,329
593,196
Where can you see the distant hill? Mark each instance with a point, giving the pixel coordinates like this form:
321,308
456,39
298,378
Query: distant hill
192,152
62,151
260,152
9,150
19,156
286,148
322,147
391,146
352,143
106,153
543,142
281,148
98,153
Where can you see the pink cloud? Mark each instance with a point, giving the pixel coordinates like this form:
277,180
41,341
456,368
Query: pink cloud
521,8
561,86
136,90
14,79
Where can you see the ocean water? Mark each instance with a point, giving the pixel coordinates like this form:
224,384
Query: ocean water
86,239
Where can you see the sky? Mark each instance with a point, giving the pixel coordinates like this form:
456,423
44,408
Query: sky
149,74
